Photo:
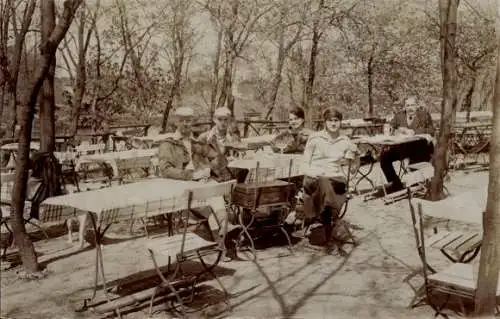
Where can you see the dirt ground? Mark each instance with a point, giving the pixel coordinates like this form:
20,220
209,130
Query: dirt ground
367,283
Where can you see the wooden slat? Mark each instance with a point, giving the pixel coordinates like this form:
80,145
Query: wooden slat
436,240
463,240
171,246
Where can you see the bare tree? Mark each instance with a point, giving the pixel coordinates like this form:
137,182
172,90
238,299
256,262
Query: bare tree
10,68
489,262
287,30
238,20
27,107
47,101
448,17
177,26
77,66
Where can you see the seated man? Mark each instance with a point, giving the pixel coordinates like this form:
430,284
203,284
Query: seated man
182,157
297,131
220,135
411,120
324,181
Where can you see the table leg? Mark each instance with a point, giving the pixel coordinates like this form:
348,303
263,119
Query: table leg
99,265
371,152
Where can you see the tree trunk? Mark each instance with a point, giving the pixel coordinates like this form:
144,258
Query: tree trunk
215,74
47,102
309,96
370,86
448,17
489,262
48,50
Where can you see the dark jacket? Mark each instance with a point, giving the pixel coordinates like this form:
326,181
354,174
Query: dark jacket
173,157
422,123
297,144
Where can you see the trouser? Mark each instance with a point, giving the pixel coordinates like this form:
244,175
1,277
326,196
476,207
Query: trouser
323,194
417,151
323,199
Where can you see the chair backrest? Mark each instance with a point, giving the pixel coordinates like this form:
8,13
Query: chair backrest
418,232
201,194
208,191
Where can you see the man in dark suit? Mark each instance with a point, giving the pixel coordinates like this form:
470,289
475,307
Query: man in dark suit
409,121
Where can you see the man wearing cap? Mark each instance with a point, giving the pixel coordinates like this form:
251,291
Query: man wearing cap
181,156
409,121
221,133
324,180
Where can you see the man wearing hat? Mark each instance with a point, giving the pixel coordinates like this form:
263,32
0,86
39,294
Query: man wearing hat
221,133
182,157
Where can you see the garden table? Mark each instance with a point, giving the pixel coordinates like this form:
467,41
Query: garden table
372,146
121,203
114,158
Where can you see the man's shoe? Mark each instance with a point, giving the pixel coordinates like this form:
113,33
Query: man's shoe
394,187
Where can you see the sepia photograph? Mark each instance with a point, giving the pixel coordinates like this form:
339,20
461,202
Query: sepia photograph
241,159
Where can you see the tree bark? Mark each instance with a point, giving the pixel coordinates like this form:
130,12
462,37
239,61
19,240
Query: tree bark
369,70
448,17
309,90
47,101
48,49
489,262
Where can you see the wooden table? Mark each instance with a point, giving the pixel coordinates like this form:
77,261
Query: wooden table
372,146
271,166
252,143
126,202
112,158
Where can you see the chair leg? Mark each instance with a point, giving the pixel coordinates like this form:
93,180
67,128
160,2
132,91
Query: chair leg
283,230
209,269
166,282
39,227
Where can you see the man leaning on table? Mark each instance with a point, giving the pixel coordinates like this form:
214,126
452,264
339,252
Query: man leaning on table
182,157
411,120
324,180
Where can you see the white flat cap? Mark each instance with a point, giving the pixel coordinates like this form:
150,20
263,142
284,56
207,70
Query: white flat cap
222,111
184,111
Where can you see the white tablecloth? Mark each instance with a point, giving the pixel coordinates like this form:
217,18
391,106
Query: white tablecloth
129,200
278,164
393,139
111,158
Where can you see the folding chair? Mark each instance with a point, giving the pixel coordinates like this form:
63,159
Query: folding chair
6,190
455,281
340,225
188,245
416,178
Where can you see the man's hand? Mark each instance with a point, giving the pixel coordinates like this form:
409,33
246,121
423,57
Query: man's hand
200,174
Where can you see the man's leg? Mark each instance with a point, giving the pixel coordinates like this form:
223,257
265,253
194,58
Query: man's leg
420,151
387,158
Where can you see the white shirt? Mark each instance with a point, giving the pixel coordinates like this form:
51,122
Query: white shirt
323,155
